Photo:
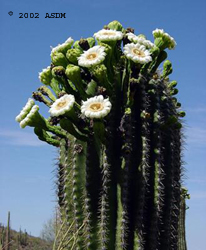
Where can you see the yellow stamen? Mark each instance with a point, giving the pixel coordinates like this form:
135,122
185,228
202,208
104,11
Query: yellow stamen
108,33
138,52
61,105
95,107
91,56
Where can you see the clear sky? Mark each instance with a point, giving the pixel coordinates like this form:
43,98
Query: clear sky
27,166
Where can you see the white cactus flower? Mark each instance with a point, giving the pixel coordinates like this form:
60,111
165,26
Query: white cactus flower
131,36
62,105
69,41
165,36
140,39
25,110
96,107
108,35
29,116
92,56
137,53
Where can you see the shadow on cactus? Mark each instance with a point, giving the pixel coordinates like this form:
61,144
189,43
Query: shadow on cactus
117,124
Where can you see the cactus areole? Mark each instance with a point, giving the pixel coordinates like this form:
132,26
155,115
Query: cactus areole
117,125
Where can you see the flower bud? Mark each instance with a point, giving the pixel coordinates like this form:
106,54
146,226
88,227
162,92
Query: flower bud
100,72
58,71
83,43
59,59
91,88
91,41
77,46
174,92
45,76
182,114
178,125
172,84
129,30
142,36
115,25
73,73
72,55
167,68
107,48
172,119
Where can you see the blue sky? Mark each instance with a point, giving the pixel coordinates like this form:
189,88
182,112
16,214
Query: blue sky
27,165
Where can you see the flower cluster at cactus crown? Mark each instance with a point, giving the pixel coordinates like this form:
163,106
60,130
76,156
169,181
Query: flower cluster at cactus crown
117,123
92,56
85,75
96,107
62,105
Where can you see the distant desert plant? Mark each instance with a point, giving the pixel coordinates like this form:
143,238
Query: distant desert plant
13,240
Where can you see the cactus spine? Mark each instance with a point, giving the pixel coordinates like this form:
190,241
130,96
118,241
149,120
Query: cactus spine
117,124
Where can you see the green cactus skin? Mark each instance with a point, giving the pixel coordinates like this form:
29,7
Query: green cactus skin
119,176
93,181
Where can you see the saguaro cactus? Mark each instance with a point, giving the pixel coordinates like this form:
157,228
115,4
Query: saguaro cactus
117,124
8,234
